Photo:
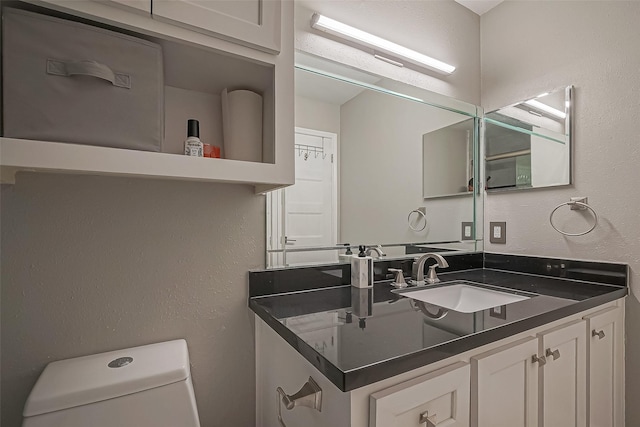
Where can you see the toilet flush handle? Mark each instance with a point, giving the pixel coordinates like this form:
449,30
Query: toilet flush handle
309,395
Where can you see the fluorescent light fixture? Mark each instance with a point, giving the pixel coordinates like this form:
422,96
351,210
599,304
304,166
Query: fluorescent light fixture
544,107
336,28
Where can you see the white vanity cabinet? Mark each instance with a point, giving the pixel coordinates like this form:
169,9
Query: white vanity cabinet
504,389
254,23
533,382
543,377
198,66
605,334
563,377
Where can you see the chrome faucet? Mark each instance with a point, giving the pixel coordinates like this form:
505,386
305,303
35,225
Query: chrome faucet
377,249
417,271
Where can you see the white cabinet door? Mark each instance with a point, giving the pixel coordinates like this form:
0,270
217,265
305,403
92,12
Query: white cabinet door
440,398
254,23
504,386
606,368
563,377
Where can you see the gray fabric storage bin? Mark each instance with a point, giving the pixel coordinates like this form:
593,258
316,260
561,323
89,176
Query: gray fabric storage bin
71,82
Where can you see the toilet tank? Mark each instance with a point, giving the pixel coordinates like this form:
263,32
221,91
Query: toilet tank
147,386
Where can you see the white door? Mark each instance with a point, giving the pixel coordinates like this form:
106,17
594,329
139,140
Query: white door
563,378
504,390
310,205
255,23
606,368
440,398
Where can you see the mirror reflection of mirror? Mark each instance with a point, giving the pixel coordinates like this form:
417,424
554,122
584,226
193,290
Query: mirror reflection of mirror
528,144
359,165
448,160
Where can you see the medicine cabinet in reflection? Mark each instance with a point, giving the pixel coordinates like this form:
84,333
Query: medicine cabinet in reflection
528,144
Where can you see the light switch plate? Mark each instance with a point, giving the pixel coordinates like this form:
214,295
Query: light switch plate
467,231
498,232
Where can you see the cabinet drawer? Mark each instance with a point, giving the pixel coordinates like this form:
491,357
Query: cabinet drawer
441,397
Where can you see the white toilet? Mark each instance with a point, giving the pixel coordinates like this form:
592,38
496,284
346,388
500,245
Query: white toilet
148,386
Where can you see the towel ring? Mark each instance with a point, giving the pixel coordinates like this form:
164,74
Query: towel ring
419,212
582,206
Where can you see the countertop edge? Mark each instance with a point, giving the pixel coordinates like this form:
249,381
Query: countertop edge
353,379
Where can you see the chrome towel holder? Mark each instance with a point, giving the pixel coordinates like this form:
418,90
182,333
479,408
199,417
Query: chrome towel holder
576,203
421,212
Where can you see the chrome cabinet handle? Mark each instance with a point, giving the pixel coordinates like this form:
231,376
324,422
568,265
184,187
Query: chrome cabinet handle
555,353
310,395
430,420
541,360
599,334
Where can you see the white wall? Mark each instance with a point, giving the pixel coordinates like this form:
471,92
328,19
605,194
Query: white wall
317,115
92,264
531,47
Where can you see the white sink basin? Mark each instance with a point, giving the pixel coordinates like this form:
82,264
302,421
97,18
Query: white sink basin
463,297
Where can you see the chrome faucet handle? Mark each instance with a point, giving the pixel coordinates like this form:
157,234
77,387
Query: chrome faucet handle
398,281
432,277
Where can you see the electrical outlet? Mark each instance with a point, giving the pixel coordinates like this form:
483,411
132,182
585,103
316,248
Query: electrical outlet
498,232
467,231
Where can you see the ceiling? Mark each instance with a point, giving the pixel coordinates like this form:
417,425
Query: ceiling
480,6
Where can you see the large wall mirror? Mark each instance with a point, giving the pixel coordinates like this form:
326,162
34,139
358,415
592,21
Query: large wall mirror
378,162
528,144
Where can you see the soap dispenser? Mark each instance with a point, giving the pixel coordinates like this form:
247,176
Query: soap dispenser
362,269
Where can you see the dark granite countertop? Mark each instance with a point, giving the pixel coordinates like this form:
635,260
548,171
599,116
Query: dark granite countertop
357,337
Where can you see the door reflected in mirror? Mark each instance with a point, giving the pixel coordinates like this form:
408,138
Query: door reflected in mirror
528,144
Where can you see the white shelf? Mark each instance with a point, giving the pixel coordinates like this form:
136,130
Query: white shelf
41,156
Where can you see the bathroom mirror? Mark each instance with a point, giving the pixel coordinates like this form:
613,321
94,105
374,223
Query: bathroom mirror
528,144
366,150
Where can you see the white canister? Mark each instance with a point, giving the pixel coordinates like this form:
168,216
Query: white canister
242,125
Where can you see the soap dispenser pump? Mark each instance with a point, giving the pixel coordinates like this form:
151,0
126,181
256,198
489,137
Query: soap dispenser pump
346,257
362,269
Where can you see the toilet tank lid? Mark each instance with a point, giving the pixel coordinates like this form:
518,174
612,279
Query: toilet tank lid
84,380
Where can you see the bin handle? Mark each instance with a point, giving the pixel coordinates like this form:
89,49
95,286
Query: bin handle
88,68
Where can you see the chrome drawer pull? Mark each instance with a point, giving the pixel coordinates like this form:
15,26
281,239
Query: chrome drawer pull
555,353
310,395
599,334
430,420
541,360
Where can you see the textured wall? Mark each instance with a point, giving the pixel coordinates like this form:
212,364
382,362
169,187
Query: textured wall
92,264
530,47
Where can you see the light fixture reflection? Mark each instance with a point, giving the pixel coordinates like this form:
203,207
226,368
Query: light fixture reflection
547,109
